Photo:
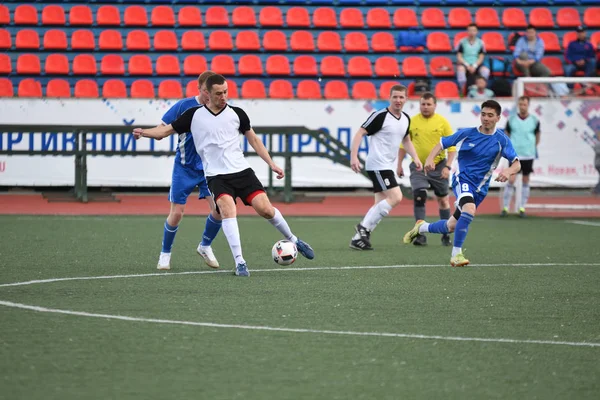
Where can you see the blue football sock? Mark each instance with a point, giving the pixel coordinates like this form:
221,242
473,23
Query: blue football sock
211,229
440,226
168,237
462,228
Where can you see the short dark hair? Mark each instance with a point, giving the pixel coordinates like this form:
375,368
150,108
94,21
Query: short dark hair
215,79
493,104
429,95
472,25
204,76
525,98
530,27
399,88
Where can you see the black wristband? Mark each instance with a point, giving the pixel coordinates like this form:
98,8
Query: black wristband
449,168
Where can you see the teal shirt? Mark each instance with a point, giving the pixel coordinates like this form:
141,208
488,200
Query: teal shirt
474,93
470,52
522,135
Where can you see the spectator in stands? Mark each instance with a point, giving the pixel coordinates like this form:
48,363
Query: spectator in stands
580,55
470,54
480,90
596,190
528,54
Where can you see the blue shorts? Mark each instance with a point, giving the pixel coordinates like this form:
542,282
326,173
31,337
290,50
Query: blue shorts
463,189
184,181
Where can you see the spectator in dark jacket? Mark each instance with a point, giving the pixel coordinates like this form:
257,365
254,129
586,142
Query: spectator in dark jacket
580,55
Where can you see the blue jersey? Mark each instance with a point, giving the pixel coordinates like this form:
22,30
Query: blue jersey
479,155
186,153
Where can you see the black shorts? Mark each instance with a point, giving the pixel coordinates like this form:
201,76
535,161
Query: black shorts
526,167
243,184
383,180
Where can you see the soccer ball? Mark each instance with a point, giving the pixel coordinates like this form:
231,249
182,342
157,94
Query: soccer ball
284,252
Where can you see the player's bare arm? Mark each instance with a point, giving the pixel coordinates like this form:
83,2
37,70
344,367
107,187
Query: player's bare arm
158,132
354,161
429,164
508,172
451,158
261,150
401,155
410,149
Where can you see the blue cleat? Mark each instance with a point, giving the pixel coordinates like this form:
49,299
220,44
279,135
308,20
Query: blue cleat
242,270
305,249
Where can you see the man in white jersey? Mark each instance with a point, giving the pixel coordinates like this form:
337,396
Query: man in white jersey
386,129
216,128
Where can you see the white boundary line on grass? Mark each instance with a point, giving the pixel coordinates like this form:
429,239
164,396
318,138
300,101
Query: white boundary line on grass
587,223
289,330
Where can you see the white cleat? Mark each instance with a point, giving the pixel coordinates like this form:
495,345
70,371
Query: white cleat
164,261
208,255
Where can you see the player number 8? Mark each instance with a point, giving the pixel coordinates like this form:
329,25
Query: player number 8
465,187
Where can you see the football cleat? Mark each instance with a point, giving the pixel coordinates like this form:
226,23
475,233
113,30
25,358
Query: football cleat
208,255
164,261
242,270
413,233
305,249
360,244
459,260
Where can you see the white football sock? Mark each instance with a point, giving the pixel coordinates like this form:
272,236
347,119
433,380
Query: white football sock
424,228
282,226
376,214
456,250
232,233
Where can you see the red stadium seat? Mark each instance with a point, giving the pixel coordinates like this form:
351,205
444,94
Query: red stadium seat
232,90
25,14
191,89
108,16
194,65
222,64
5,39
27,39
324,17
140,64
112,64
555,64
459,18
447,90
514,18
142,89
308,90
281,89
351,18
6,88
165,41
110,40
305,66
135,16
414,66
189,16
247,40
441,67
494,42
551,42
487,17
379,18
56,64
253,89
458,37
84,64
591,17
243,16
5,64
541,18
387,66
302,41
216,16
80,15
167,65
83,39
360,66
336,90
162,16
383,42
433,18
329,42
220,40
405,18
568,17
568,38
5,20
58,88
332,66
28,64
250,64
278,65
595,39
364,91
385,89
170,89
192,40
356,42
274,40
114,89
297,17
86,88
438,42
53,15
29,88
271,16
138,40
55,39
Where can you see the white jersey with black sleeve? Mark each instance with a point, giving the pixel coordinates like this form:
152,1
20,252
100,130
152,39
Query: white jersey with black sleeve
217,137
385,133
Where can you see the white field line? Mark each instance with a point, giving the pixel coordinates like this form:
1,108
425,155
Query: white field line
563,206
299,269
295,330
587,223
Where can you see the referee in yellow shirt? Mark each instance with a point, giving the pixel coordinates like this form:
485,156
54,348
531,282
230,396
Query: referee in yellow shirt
426,129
